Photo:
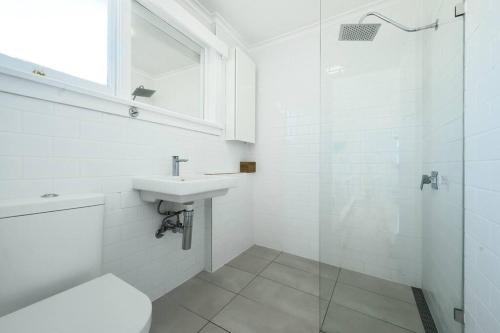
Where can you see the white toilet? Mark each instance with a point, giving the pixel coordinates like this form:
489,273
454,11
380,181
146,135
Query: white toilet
50,267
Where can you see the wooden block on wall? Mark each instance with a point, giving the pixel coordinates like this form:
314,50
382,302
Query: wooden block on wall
248,167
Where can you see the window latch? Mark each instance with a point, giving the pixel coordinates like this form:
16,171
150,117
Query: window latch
38,72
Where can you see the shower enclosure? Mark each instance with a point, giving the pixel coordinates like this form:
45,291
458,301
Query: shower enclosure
391,169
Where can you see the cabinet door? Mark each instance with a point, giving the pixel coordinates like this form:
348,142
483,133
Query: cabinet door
245,98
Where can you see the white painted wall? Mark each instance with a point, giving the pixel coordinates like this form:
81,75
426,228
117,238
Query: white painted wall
47,147
287,147
482,182
442,277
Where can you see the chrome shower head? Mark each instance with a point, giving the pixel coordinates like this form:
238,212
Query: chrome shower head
367,32
142,92
358,32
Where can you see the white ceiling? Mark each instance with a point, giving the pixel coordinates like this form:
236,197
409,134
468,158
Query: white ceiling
261,20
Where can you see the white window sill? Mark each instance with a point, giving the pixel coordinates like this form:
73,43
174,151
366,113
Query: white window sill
44,88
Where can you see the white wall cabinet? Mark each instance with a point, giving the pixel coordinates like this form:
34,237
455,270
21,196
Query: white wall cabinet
240,97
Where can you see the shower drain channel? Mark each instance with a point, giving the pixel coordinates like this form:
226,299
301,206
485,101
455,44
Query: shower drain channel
423,309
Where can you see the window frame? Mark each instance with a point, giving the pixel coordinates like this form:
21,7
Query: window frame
14,66
115,99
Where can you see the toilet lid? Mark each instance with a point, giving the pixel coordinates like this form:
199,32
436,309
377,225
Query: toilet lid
103,305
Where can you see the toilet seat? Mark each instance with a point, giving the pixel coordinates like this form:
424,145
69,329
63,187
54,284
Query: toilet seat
103,305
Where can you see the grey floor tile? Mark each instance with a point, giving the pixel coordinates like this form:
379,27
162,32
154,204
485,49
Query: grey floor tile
201,297
211,328
243,315
329,271
292,277
326,288
169,317
344,320
296,303
228,278
249,263
397,312
263,252
379,286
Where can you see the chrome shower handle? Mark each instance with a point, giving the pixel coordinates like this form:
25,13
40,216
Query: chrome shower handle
426,179
432,179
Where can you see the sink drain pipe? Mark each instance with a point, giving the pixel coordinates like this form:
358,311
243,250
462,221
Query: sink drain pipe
186,228
187,232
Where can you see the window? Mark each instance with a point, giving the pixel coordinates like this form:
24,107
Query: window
63,40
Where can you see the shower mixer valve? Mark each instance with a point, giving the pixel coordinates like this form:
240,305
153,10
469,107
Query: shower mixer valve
432,179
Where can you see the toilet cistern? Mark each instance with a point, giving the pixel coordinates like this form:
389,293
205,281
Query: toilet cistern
175,164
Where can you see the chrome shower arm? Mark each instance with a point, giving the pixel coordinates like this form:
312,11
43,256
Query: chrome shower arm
434,25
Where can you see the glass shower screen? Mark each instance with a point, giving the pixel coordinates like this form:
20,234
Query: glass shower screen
391,116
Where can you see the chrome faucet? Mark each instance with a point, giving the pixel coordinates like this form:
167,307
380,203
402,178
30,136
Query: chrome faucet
175,165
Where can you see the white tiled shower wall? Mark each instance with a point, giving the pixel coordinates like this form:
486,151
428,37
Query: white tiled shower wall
482,162
47,147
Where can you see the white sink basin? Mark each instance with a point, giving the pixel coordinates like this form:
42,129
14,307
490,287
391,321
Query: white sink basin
182,189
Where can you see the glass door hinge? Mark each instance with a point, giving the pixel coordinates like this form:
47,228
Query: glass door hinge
458,315
460,9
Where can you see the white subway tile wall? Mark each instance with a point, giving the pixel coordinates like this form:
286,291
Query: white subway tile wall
482,152
47,147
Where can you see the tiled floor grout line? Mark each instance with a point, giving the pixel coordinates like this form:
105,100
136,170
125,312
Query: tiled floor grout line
329,302
222,328
216,285
196,314
290,266
299,269
211,322
286,285
201,329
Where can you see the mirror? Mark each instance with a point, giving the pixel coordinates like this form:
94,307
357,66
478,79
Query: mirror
167,66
